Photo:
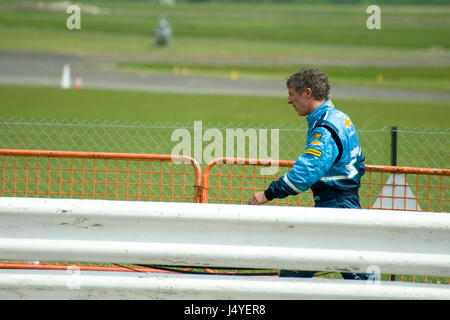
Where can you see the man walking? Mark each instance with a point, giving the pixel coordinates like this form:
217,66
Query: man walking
332,163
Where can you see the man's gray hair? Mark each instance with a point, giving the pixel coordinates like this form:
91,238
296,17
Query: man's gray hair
314,79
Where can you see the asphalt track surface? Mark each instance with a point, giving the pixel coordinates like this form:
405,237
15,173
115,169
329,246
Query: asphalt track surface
45,69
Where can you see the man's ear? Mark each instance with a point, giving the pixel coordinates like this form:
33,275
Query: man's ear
308,92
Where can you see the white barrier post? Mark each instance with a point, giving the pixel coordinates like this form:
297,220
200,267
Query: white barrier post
323,239
51,284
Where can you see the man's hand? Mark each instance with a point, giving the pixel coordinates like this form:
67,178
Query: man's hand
258,198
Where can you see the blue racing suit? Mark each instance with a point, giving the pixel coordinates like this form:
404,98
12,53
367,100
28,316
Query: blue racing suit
331,166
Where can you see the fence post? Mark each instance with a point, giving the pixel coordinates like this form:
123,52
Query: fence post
393,159
394,146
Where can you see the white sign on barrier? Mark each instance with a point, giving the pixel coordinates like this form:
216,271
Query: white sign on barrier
396,194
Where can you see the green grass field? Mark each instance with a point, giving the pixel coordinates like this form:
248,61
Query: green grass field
148,106
403,27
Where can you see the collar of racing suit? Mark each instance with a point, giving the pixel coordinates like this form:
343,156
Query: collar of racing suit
315,115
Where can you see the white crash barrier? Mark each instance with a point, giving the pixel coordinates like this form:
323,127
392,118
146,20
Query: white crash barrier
189,234
73,284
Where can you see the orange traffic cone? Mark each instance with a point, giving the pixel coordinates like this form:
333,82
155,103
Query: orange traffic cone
78,82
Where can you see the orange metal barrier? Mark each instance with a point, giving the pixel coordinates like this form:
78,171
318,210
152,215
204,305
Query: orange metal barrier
81,267
153,177
406,188
92,175
44,265
234,180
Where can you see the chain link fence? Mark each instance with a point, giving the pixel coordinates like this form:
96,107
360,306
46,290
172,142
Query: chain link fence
427,148
423,148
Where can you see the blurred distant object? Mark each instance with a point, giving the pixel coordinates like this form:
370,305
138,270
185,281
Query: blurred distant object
163,33
168,3
437,49
65,78
234,75
380,78
176,71
78,82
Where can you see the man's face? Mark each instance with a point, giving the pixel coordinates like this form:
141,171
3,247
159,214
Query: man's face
300,101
